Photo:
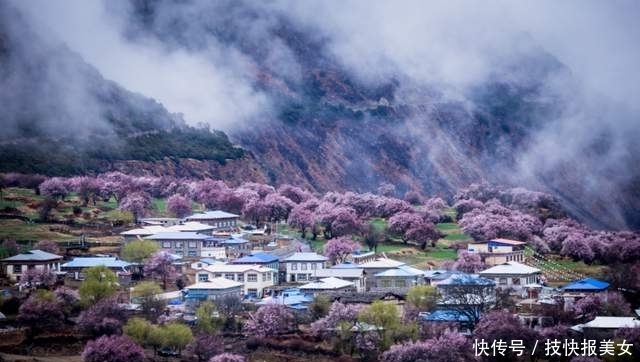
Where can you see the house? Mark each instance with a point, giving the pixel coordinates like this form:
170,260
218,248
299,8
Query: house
467,294
217,218
185,244
254,278
360,257
212,289
330,284
355,275
512,275
378,265
602,328
301,266
433,277
402,276
499,251
235,245
452,320
75,267
586,285
142,233
15,266
204,262
259,258
291,298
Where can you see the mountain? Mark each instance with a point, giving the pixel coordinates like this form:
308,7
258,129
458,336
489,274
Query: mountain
328,128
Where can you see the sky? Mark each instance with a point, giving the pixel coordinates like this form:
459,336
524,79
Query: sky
449,42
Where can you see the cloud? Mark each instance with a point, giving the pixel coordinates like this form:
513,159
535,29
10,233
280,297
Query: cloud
209,86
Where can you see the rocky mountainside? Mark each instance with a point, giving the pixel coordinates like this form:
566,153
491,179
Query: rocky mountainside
327,129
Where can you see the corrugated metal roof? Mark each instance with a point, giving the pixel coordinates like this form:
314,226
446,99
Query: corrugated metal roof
587,284
213,284
88,262
330,283
306,256
34,255
178,235
213,214
510,268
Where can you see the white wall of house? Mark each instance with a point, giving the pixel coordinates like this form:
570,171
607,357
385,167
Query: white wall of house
302,271
254,281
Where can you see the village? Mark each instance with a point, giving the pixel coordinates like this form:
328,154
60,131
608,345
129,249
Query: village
219,257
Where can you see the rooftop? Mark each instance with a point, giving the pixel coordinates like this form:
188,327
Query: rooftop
382,263
445,315
190,226
146,230
466,279
236,268
209,215
510,268
586,284
213,284
609,322
401,271
88,262
306,256
33,255
508,241
330,283
257,258
339,272
177,235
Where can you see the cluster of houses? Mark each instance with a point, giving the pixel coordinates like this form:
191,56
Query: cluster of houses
223,262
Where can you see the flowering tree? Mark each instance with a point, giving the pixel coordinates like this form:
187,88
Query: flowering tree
503,325
105,317
338,220
301,218
469,262
256,210
294,193
464,206
270,320
576,246
55,188
179,205
41,311
210,192
413,197
228,357
37,277
88,188
494,220
113,349
160,267
137,203
388,206
337,325
412,226
338,249
116,185
69,300
49,246
450,347
278,207
204,347
604,304
10,247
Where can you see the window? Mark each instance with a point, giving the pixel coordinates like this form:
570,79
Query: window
385,283
314,266
17,269
240,278
252,292
264,277
203,277
294,266
515,281
229,276
303,266
192,253
302,277
179,244
217,275
269,276
502,281
166,244
401,283
193,245
252,278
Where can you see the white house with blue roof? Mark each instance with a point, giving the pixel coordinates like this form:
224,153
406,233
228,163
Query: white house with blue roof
75,267
402,276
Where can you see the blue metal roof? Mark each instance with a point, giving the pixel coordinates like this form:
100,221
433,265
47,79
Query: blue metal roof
257,258
466,279
444,315
587,284
345,265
